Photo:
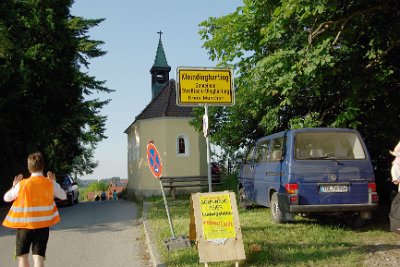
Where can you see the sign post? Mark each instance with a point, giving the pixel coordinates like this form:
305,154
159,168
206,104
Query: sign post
155,164
205,86
205,117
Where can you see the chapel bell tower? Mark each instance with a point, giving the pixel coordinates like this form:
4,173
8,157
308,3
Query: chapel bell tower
160,70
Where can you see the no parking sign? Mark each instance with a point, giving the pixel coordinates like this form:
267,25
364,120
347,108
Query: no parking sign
154,160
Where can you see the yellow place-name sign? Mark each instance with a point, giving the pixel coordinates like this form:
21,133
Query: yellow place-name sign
197,86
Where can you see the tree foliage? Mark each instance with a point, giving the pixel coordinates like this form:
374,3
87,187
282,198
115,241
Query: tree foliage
308,63
46,101
97,186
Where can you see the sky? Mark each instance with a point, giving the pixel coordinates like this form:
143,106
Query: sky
130,39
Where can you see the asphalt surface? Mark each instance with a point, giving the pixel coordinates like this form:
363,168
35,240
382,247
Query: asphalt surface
104,233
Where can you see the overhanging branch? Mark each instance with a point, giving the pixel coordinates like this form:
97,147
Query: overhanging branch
383,54
343,21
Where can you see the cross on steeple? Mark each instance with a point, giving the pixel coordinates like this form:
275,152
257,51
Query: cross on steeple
160,32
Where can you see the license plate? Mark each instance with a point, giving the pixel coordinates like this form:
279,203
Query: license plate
333,188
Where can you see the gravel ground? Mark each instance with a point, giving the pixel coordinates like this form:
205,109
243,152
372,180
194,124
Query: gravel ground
383,254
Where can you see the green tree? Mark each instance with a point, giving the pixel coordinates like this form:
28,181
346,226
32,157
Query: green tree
303,63
46,101
97,186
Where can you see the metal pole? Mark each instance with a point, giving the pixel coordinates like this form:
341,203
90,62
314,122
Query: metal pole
208,154
166,208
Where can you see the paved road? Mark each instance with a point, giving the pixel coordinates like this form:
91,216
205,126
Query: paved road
105,233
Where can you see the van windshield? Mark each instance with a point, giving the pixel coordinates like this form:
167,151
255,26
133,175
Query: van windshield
328,145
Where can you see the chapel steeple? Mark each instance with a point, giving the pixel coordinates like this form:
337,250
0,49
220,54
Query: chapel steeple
160,70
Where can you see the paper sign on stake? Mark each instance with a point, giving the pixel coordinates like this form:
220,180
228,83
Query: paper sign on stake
215,226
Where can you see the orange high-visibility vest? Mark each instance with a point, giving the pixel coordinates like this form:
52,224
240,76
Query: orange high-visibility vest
34,207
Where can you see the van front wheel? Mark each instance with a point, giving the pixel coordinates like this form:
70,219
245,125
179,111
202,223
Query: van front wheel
243,202
279,216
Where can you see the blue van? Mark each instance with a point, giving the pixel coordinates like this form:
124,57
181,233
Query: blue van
310,171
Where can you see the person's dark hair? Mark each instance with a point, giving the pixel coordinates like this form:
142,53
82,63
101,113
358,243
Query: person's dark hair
35,162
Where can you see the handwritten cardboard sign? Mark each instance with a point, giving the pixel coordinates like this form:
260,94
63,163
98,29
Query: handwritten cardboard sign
215,226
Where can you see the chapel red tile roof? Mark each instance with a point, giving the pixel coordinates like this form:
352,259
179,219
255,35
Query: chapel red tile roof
164,105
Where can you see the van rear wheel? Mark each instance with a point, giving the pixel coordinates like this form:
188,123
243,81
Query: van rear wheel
278,215
276,212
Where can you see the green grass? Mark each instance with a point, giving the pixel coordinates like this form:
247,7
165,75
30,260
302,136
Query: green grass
305,242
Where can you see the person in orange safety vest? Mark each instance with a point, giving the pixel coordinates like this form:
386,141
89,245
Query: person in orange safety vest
33,210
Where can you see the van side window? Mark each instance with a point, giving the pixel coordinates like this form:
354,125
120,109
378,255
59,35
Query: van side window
276,148
261,152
